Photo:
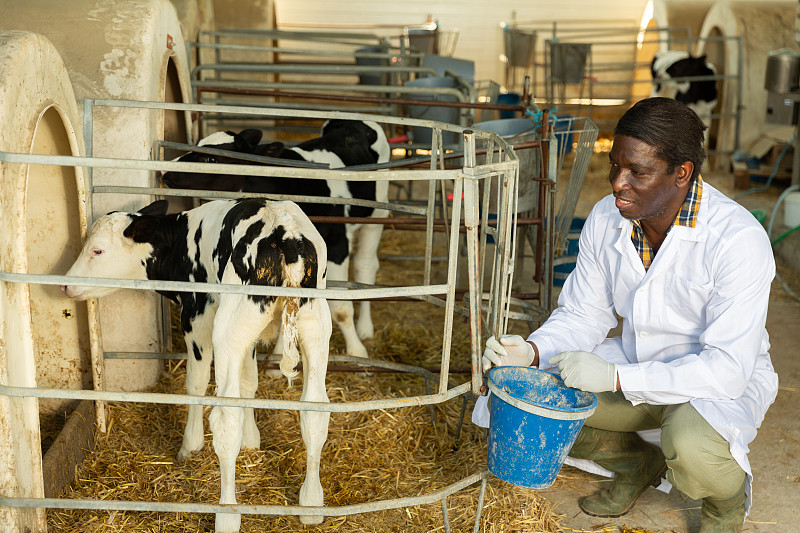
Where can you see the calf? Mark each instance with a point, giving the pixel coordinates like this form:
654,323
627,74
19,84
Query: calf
699,96
245,242
342,143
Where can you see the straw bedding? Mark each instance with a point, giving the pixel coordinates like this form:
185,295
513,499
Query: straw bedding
368,456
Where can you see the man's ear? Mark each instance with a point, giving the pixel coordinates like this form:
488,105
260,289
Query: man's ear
684,173
141,229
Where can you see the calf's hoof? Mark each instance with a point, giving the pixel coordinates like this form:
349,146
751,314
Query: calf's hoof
227,523
311,520
365,331
185,453
251,439
311,495
358,351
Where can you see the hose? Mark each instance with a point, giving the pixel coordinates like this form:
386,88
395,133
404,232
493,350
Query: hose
764,187
774,171
781,198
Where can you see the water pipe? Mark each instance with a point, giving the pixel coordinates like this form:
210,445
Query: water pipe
766,185
781,198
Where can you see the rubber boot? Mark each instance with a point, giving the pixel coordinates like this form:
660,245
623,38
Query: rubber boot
635,463
723,516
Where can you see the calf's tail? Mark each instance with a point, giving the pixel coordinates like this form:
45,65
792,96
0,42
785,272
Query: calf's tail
293,274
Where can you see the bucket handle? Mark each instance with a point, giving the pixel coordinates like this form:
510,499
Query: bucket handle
540,411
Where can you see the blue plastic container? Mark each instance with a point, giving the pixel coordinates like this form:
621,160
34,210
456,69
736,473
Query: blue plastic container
562,130
508,128
535,419
562,270
509,99
423,135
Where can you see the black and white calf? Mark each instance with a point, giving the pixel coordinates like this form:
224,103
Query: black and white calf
700,96
342,143
247,242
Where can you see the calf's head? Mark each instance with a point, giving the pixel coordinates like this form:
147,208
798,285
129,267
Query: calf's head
245,142
117,247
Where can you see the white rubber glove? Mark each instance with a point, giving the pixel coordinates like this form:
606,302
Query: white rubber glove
586,371
510,350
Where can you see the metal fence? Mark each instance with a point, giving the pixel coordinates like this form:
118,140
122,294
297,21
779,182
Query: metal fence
354,72
485,306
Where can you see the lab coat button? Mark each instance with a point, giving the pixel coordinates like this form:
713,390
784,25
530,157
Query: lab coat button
643,334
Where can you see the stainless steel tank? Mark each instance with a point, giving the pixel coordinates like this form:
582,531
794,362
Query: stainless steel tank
783,71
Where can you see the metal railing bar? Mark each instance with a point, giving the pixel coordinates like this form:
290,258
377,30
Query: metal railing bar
382,109
226,288
290,162
256,403
306,51
329,37
235,169
245,509
448,91
302,114
668,80
228,195
312,69
233,88
366,364
275,161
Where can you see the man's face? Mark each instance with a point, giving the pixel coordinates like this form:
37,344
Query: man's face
642,186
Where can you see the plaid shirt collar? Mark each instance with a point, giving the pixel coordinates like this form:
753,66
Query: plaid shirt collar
687,216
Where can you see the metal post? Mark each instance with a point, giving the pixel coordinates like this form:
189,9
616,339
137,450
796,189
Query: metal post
471,199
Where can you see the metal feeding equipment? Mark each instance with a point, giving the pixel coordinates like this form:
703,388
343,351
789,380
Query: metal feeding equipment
782,82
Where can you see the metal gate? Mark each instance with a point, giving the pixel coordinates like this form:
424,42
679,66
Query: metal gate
490,170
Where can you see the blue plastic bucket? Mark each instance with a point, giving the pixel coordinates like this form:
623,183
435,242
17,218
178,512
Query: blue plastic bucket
535,419
509,99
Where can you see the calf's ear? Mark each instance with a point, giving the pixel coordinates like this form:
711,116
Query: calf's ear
141,229
274,149
157,208
246,140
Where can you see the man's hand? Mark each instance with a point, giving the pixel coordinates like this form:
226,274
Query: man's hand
510,350
586,371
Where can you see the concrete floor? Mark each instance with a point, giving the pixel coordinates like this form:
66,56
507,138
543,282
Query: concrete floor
774,455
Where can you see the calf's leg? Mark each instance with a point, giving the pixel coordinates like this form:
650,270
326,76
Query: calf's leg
198,373
251,438
342,312
314,328
365,269
237,326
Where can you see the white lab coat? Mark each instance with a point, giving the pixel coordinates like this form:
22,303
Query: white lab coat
693,324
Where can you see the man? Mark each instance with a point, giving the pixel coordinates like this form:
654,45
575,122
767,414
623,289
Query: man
689,273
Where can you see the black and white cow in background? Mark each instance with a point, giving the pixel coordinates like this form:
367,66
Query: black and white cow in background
699,96
247,242
342,143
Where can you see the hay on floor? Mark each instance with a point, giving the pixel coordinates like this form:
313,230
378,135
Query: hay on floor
368,456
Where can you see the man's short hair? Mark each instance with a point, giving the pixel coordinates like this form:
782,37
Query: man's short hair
674,130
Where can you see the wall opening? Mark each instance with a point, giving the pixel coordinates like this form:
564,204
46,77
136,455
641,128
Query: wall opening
53,240
173,127
646,48
174,122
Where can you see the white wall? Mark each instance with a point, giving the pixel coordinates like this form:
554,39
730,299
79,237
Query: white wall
480,37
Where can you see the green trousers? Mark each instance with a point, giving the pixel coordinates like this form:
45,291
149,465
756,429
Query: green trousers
699,459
